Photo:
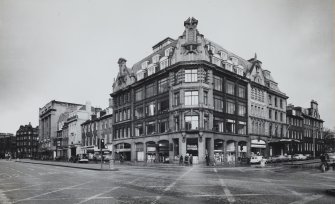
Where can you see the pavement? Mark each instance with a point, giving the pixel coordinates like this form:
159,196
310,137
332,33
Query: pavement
39,183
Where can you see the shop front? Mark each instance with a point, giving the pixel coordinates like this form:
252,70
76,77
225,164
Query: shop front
139,151
218,151
163,151
192,148
123,152
258,147
151,152
231,152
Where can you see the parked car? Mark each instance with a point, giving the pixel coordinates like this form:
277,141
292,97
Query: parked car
299,157
279,158
309,156
256,159
83,160
331,155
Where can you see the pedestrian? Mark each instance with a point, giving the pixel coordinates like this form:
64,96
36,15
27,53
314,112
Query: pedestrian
181,160
207,160
186,159
191,159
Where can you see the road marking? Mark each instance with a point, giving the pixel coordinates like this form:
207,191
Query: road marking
227,192
172,185
307,199
3,198
16,189
97,195
60,189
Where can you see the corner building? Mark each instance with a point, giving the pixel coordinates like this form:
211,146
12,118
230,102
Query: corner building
188,97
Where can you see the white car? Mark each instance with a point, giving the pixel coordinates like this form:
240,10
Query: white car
299,157
256,159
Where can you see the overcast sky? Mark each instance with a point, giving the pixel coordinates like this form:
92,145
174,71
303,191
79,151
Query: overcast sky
68,50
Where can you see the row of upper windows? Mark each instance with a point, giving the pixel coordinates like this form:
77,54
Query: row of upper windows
275,100
275,115
150,89
230,87
149,69
294,121
257,94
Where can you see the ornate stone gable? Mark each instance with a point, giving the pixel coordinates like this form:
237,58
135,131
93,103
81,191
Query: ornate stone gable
191,45
125,76
256,71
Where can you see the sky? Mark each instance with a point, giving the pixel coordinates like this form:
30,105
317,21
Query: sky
67,50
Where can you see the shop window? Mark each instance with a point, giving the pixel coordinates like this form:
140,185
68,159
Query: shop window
138,129
218,124
242,109
163,85
218,83
242,128
163,125
150,127
191,122
150,109
191,97
230,107
150,90
205,97
191,75
230,126
163,106
218,103
176,98
230,87
139,94
139,113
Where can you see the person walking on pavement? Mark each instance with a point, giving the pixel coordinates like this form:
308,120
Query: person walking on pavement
207,160
191,159
181,160
186,159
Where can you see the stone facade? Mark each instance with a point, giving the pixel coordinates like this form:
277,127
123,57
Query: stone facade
267,111
48,121
189,97
27,141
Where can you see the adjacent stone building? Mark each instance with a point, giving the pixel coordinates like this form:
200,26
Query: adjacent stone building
27,141
267,112
99,126
188,97
48,121
305,128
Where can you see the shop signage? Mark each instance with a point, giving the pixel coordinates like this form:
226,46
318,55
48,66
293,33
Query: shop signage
192,147
151,149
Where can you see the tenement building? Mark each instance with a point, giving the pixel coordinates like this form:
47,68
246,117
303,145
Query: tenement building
48,120
305,126
267,112
190,96
99,126
27,141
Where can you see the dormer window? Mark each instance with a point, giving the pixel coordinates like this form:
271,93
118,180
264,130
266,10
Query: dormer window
212,48
234,60
155,59
144,64
140,75
164,62
168,51
216,59
229,66
223,55
239,70
151,69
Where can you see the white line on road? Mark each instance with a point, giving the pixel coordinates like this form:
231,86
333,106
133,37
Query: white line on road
97,195
307,199
227,192
172,185
61,189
